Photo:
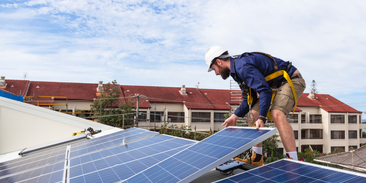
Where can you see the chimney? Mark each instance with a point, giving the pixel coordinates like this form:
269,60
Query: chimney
2,82
100,87
183,90
311,95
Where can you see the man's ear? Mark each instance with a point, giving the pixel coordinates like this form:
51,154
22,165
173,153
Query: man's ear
219,62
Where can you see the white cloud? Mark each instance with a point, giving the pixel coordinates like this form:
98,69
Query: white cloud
166,40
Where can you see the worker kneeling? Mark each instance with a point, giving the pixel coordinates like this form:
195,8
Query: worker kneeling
270,88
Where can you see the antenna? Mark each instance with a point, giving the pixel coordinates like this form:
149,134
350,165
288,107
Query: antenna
25,75
197,84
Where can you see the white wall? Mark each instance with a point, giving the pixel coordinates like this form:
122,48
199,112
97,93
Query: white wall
24,125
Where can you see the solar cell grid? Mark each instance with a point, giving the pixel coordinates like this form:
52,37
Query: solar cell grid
202,157
60,150
36,162
58,154
288,171
128,160
90,146
36,173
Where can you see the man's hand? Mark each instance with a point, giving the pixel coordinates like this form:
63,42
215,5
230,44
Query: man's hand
231,121
259,123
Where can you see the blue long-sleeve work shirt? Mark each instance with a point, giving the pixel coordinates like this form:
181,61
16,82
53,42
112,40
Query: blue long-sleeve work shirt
252,68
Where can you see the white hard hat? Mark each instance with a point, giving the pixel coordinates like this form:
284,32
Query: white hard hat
212,53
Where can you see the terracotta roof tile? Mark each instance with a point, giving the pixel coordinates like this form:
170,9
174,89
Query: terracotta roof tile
73,91
326,102
205,99
18,87
194,98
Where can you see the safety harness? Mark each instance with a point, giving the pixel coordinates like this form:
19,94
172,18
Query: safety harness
247,91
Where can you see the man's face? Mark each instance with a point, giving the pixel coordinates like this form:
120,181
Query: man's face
219,70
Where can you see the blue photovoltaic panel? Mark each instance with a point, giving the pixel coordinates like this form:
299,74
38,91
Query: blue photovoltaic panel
44,162
57,154
122,162
54,155
132,134
48,172
202,157
291,171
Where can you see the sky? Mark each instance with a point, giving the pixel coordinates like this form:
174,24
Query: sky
163,42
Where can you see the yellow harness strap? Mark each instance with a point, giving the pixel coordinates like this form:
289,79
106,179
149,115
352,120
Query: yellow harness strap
270,77
288,79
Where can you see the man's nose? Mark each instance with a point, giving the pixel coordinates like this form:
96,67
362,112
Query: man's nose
217,73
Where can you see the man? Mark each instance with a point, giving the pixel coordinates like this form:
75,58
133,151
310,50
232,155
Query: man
249,71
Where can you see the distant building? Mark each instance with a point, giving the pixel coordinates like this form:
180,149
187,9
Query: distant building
320,121
325,124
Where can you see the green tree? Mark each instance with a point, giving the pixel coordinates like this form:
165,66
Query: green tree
110,108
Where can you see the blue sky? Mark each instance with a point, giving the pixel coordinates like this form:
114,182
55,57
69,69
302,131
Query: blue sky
162,43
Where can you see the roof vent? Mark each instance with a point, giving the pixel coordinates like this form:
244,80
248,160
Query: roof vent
190,93
2,82
37,87
100,87
183,90
205,93
128,90
12,86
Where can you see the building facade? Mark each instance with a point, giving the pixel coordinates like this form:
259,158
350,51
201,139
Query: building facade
325,124
320,121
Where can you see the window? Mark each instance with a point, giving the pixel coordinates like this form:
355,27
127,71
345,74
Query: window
296,134
142,116
352,134
336,147
176,117
337,118
352,119
65,111
337,134
315,118
312,134
316,133
318,148
303,147
303,118
280,150
352,147
157,116
219,117
293,119
201,117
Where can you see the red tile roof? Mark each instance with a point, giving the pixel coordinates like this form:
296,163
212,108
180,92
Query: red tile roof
194,99
17,87
326,102
204,99
73,91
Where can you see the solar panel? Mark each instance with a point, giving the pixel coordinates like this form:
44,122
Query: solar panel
202,157
286,170
122,162
56,154
44,161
